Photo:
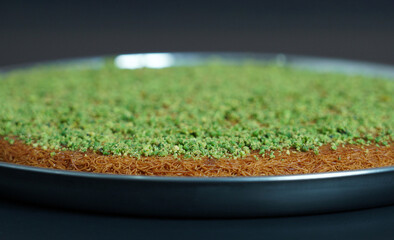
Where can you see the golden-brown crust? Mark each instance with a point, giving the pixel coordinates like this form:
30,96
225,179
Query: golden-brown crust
349,157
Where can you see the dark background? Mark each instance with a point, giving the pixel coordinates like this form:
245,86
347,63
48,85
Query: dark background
45,30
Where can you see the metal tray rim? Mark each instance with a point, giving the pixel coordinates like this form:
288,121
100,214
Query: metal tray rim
295,177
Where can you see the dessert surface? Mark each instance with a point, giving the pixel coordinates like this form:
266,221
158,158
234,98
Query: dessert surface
181,120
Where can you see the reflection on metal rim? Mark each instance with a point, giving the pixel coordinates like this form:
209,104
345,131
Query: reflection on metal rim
163,60
148,60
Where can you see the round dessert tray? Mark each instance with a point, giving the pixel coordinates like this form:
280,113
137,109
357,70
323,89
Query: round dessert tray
204,197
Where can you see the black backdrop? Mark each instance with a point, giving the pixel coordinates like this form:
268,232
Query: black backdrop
44,30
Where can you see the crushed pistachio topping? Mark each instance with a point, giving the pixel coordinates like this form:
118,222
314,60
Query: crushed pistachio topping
215,110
